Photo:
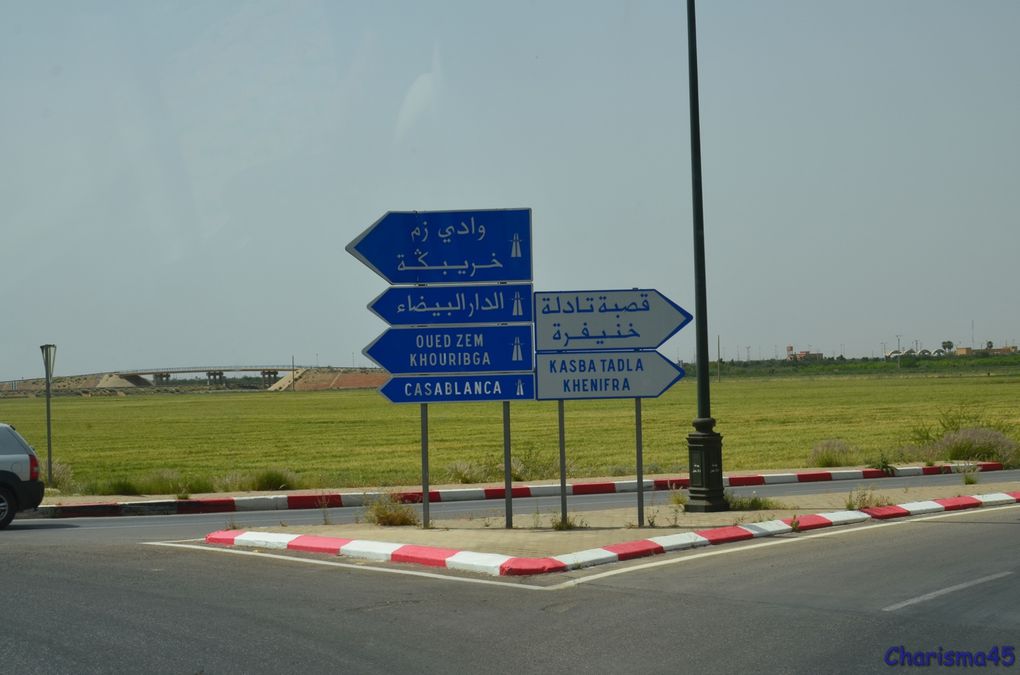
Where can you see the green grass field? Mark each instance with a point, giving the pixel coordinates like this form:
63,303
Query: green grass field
341,439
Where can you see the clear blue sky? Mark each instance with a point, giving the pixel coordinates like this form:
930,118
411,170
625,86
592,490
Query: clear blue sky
178,180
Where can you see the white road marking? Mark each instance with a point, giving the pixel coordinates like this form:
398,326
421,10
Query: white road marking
945,591
333,563
722,550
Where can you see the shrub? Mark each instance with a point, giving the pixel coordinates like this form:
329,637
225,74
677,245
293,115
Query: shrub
390,511
118,486
473,472
63,479
170,481
981,444
833,452
953,420
235,481
274,479
528,464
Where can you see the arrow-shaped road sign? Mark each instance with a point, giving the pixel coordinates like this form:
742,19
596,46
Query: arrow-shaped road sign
627,374
459,349
448,247
454,388
430,305
609,320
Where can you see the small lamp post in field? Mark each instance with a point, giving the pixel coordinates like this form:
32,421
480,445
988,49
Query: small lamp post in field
49,354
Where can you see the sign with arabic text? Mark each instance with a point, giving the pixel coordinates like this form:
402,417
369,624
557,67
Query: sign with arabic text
448,247
430,305
605,320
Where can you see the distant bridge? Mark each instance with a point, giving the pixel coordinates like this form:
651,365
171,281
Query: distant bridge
214,374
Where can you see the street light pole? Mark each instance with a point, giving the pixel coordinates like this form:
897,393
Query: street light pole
704,445
49,354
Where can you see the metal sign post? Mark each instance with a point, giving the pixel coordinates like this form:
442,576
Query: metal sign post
640,464
425,521
49,355
563,467
507,477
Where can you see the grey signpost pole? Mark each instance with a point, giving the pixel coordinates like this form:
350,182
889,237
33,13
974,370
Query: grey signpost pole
425,522
640,464
563,466
704,445
49,353
507,487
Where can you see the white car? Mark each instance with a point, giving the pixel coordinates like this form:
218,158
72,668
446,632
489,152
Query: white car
20,487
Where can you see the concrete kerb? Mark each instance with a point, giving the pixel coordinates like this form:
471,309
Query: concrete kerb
337,499
503,565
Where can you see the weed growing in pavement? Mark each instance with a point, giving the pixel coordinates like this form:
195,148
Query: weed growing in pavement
752,503
865,498
323,502
389,511
883,464
795,523
674,515
568,523
970,474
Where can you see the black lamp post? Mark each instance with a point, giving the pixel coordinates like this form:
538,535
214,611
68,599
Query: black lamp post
704,445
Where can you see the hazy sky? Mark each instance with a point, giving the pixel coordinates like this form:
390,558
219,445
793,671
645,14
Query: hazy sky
178,180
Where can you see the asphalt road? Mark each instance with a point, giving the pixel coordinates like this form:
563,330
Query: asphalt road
82,596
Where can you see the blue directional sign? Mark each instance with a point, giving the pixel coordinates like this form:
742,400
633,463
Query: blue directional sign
448,247
597,320
453,388
430,305
457,349
622,374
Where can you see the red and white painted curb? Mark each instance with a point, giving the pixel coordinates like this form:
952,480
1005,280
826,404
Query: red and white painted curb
504,565
335,500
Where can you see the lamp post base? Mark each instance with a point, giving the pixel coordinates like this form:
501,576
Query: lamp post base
704,448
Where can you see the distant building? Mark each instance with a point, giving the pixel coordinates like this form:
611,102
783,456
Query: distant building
791,355
994,351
